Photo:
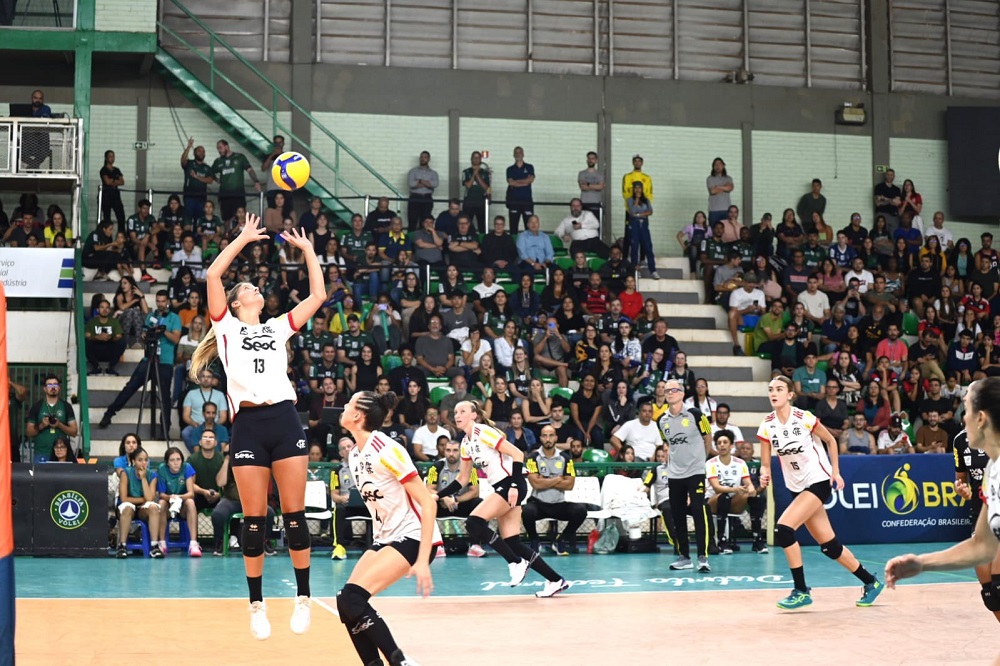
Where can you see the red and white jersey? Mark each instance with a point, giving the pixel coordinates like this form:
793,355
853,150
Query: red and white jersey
730,476
991,488
481,449
380,468
255,360
803,460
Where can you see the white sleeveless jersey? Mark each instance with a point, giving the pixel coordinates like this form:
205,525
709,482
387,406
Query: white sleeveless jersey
481,449
803,460
255,360
380,468
730,476
991,487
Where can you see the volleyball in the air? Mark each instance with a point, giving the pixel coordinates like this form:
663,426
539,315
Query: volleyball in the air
290,171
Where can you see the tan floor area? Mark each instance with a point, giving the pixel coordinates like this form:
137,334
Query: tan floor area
918,624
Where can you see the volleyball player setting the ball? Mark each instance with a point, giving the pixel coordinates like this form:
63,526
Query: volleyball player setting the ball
982,426
267,435
789,431
503,463
403,519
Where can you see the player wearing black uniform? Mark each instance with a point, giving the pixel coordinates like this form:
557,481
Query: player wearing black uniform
970,466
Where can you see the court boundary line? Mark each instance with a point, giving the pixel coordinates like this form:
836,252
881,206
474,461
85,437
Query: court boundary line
481,597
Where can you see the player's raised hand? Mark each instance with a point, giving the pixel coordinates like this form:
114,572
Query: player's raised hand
297,239
252,231
904,566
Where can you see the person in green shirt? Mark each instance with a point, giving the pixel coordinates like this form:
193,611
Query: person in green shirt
141,229
210,229
50,418
770,327
354,242
103,252
206,461
197,178
477,181
228,171
104,340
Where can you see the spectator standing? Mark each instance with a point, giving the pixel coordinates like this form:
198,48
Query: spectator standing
104,340
520,203
48,419
640,208
197,178
477,180
111,196
591,182
636,175
551,473
888,198
812,201
422,180
719,185
228,171
687,435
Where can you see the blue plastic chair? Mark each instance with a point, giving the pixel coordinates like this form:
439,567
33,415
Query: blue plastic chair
143,544
184,535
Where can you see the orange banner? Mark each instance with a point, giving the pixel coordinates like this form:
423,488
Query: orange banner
6,519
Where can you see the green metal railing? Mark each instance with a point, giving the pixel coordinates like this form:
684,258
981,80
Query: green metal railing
278,97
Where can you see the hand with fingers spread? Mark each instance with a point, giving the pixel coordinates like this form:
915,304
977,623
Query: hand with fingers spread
252,231
297,239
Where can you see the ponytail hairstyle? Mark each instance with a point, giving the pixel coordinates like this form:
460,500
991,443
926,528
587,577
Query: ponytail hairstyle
480,414
208,349
375,406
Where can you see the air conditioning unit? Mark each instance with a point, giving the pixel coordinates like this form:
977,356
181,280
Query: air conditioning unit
851,114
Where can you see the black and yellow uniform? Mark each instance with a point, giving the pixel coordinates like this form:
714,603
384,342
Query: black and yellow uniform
343,482
551,502
972,462
441,476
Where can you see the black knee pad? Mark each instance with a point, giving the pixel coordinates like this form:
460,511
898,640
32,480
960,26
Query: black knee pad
478,529
352,603
832,549
296,531
784,536
253,535
991,597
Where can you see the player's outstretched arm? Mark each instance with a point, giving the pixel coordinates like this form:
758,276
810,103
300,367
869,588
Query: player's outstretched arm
980,548
308,306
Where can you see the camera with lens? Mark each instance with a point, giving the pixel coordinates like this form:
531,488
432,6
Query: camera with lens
52,419
152,335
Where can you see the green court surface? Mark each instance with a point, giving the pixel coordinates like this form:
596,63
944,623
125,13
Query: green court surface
178,576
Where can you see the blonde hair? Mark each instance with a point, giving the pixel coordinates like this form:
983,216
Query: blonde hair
208,349
478,409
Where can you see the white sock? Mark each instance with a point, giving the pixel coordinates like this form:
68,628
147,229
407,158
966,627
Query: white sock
193,543
162,545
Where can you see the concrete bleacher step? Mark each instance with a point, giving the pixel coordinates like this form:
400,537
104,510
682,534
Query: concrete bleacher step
108,448
121,427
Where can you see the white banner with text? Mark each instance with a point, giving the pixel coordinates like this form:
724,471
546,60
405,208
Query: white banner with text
37,272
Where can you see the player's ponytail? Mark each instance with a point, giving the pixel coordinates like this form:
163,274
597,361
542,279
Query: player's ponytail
208,349
206,352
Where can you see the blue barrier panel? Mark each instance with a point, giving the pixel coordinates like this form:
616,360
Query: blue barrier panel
891,499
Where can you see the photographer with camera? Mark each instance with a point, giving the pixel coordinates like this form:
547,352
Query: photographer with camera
49,419
160,333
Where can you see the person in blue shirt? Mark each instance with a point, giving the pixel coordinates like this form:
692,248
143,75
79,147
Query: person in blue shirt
175,485
39,109
130,442
520,176
534,247
162,332
843,253
137,497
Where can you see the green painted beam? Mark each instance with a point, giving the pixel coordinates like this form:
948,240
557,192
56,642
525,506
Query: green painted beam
71,40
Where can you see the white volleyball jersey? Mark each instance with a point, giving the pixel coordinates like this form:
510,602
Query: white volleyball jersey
255,360
991,487
481,449
380,468
730,476
803,460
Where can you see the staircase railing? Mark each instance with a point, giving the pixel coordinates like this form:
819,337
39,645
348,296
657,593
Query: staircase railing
341,151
